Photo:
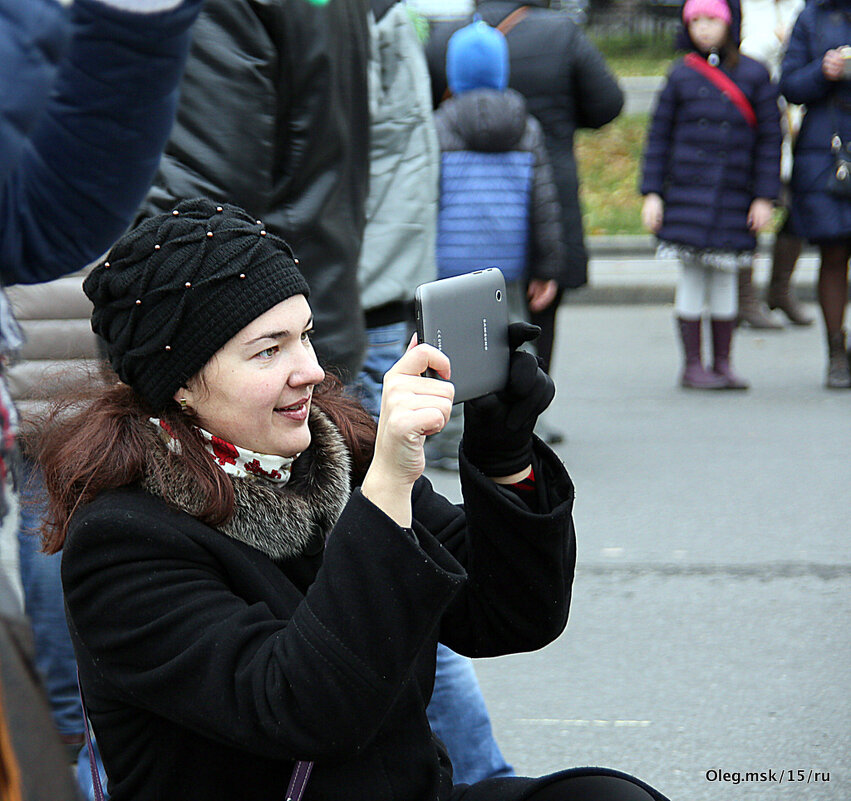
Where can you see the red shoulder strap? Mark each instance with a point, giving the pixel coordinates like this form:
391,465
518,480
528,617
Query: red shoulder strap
725,84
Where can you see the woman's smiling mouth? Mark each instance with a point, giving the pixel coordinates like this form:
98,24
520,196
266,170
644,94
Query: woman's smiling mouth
297,411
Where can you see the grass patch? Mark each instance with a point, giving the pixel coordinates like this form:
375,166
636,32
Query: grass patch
631,54
609,162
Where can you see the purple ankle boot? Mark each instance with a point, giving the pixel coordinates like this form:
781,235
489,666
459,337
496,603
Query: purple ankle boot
695,375
722,337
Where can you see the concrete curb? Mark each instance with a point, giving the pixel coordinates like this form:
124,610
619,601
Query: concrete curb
640,93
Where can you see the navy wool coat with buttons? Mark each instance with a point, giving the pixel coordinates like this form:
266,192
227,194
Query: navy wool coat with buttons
825,24
706,162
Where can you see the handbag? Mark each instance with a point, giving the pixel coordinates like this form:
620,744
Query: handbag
839,180
295,790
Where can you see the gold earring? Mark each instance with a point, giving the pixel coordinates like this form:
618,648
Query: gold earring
183,404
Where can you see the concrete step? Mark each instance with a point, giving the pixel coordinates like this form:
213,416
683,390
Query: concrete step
640,93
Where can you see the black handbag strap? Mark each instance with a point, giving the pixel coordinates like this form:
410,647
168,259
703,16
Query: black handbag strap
301,773
98,788
298,781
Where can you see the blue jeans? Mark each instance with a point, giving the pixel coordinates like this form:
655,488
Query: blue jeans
54,654
459,717
457,710
385,346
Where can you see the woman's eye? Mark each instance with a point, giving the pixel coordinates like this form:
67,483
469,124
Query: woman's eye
306,335
268,353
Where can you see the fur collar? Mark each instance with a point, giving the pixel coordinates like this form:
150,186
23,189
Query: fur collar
279,520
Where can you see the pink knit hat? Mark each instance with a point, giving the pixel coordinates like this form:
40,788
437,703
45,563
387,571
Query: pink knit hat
706,8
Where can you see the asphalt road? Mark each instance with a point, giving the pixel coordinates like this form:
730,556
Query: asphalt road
710,628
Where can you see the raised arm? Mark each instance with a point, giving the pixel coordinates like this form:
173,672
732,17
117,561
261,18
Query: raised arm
802,79
88,158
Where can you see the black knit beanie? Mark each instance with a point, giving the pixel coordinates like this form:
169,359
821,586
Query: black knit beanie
176,288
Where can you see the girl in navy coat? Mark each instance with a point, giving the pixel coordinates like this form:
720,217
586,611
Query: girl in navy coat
711,173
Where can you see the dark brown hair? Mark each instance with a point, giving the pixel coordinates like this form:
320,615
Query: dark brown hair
729,53
99,440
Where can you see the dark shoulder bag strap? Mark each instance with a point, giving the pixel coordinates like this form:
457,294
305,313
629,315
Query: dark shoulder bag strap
298,781
98,788
512,19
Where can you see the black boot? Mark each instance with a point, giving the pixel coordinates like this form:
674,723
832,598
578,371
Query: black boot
787,248
838,373
695,375
722,338
752,311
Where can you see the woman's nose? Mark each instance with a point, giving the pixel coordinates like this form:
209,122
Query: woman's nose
307,370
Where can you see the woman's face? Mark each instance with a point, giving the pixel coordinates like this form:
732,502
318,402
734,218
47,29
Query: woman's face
255,392
707,33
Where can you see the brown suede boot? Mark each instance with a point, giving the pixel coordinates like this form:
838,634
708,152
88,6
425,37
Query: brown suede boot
787,248
838,373
752,311
722,338
695,375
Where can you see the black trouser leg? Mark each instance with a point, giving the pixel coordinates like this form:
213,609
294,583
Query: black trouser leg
546,319
593,788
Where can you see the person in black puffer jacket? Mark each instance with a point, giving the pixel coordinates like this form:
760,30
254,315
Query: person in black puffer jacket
813,73
567,85
498,202
274,116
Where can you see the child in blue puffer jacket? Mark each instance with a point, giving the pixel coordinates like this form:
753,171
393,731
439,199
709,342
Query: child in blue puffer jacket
711,173
498,202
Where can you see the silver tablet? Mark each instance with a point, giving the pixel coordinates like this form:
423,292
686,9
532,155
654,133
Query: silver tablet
466,317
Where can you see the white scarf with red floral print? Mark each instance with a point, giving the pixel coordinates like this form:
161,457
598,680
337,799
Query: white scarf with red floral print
235,461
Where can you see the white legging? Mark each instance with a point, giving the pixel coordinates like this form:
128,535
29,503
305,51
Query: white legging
699,286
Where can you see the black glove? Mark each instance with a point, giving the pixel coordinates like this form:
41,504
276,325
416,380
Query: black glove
498,427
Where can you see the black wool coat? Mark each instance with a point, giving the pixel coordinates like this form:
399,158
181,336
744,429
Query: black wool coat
209,667
567,85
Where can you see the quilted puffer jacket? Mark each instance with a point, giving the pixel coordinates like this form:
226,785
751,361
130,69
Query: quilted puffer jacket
498,202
